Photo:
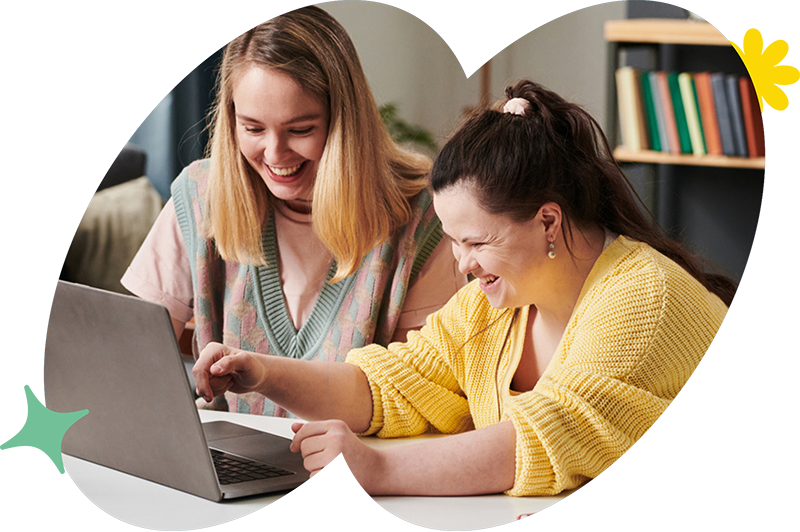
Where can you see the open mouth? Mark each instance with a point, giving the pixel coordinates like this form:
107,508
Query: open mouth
288,171
488,280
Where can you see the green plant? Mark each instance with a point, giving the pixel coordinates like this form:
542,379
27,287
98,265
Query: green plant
402,132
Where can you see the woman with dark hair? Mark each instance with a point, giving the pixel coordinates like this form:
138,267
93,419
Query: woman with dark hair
582,325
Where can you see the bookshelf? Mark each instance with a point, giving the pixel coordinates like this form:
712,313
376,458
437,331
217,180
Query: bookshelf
711,203
670,32
624,154
664,31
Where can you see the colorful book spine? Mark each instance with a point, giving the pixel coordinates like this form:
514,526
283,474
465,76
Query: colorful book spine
708,113
650,112
662,126
699,118
692,115
735,111
641,118
680,113
702,113
723,114
631,114
751,112
669,113
628,132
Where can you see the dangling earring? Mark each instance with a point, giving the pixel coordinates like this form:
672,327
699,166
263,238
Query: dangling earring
552,253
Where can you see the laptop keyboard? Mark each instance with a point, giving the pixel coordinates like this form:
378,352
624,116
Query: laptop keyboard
233,469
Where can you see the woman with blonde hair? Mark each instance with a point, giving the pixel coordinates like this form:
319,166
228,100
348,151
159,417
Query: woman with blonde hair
307,231
582,325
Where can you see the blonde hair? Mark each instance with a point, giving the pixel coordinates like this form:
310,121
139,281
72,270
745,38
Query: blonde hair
364,180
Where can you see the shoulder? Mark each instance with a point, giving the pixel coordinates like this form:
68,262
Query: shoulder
421,234
686,304
196,171
191,183
634,287
188,192
193,179
422,211
423,200
642,319
638,269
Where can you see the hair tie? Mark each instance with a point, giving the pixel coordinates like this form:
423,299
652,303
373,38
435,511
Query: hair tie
516,106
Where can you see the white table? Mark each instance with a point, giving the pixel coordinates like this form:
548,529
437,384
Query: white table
149,505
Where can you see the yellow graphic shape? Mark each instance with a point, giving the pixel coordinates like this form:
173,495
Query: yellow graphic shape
772,56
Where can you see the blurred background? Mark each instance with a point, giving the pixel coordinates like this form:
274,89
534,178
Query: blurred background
734,425
710,204
413,75
423,94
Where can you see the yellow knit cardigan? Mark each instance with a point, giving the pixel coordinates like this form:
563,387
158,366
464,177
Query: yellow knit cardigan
639,329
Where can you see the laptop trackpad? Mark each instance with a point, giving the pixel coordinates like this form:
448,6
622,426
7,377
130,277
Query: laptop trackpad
254,444
220,430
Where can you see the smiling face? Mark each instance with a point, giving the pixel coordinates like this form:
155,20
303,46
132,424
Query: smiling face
281,130
507,257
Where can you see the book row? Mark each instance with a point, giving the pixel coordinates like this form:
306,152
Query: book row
700,113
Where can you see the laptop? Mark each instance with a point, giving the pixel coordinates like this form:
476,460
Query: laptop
118,357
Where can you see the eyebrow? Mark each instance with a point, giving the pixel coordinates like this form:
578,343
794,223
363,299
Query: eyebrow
301,118
466,238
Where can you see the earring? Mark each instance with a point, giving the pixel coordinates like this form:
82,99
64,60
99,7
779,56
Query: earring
552,253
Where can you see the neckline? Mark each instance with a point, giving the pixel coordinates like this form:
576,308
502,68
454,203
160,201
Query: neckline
284,339
290,214
613,246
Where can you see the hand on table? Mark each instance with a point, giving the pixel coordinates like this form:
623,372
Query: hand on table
322,441
221,368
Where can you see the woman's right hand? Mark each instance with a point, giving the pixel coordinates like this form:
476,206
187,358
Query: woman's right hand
221,368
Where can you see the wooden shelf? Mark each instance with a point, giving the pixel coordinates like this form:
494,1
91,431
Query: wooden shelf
669,179
664,31
623,154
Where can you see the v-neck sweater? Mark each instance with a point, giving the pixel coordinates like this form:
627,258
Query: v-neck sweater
639,328
243,305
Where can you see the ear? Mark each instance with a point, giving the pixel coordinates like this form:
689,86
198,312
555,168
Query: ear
550,214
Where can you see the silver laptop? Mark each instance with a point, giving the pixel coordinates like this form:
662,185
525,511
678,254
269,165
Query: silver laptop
118,357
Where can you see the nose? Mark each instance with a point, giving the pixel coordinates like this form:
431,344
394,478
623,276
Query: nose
274,148
466,262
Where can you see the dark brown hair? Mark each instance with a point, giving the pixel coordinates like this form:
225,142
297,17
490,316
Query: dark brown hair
555,151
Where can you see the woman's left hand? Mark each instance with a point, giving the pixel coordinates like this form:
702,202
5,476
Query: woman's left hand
322,441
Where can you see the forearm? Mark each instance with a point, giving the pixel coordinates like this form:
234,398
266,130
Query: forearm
476,462
312,390
315,390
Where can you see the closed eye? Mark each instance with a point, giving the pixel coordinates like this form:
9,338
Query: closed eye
465,241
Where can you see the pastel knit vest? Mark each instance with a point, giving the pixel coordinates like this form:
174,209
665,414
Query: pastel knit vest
243,306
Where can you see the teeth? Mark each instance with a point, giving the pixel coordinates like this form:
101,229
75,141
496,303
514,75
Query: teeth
488,280
284,172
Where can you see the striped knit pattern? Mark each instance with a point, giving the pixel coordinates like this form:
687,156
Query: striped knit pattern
243,306
640,327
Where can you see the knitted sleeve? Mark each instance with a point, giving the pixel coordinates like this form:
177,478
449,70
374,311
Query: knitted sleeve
416,386
632,343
